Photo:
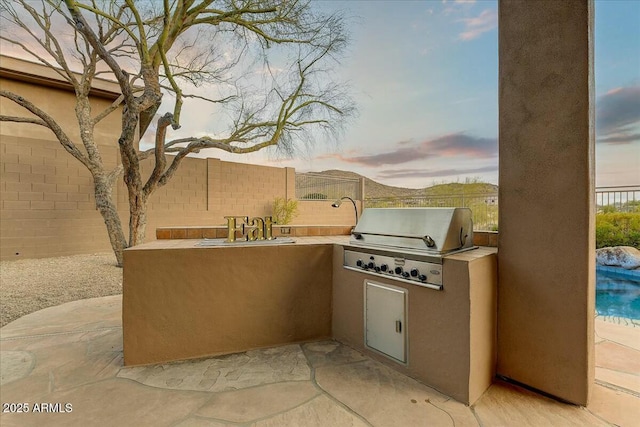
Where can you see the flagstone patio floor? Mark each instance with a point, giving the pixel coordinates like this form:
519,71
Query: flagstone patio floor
68,360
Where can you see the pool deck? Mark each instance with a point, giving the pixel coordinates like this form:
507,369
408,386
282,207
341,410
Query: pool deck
72,354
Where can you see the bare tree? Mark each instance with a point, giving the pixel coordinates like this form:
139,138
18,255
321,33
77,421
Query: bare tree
164,49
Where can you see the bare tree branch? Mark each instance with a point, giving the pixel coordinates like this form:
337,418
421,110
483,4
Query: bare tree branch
161,162
114,106
82,26
35,121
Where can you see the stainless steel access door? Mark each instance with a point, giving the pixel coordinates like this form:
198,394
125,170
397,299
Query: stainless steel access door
385,319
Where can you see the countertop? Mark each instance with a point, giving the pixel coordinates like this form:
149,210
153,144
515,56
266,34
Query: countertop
194,243
310,240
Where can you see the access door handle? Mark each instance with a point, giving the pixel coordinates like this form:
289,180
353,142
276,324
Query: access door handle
399,326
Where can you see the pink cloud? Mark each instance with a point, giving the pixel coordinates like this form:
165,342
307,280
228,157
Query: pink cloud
451,145
618,115
475,27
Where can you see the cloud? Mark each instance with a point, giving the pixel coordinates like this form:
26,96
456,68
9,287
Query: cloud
475,27
333,156
432,173
455,144
618,116
390,158
464,101
620,138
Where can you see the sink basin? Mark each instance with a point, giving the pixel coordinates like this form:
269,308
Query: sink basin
223,242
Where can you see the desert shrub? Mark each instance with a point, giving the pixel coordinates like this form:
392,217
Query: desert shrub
284,210
608,209
618,229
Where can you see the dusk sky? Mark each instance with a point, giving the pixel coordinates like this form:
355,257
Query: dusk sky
425,77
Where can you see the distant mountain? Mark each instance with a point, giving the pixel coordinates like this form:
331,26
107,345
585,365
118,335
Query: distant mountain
373,189
461,188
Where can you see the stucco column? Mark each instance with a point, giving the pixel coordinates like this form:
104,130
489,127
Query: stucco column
546,241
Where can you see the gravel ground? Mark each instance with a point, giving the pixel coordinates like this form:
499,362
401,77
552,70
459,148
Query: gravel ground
29,285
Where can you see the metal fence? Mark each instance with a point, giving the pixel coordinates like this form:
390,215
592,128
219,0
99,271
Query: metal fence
618,199
484,207
311,186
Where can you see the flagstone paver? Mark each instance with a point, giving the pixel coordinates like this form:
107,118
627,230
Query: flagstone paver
320,412
370,389
617,407
251,404
15,365
330,353
232,372
505,405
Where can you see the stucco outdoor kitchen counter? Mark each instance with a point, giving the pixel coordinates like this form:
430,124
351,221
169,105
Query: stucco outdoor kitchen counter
451,333
182,301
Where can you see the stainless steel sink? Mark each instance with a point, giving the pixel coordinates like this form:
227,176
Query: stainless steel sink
223,242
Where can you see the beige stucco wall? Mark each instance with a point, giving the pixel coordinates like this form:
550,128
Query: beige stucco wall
546,241
483,323
60,105
452,333
193,301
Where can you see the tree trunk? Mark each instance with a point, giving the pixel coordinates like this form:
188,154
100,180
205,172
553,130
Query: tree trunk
109,212
137,219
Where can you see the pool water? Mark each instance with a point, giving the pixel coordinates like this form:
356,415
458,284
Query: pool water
617,296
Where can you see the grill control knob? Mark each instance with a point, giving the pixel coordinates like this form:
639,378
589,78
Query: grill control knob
405,274
384,267
377,269
359,263
422,278
398,270
414,272
371,265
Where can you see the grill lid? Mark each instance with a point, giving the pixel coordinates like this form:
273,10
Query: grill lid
437,230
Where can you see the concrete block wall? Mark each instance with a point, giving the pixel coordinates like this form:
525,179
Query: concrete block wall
186,191
242,189
47,202
48,207
320,212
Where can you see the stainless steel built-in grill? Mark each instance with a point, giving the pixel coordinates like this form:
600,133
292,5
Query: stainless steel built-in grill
408,244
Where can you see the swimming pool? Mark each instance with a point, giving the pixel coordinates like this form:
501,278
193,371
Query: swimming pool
617,296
